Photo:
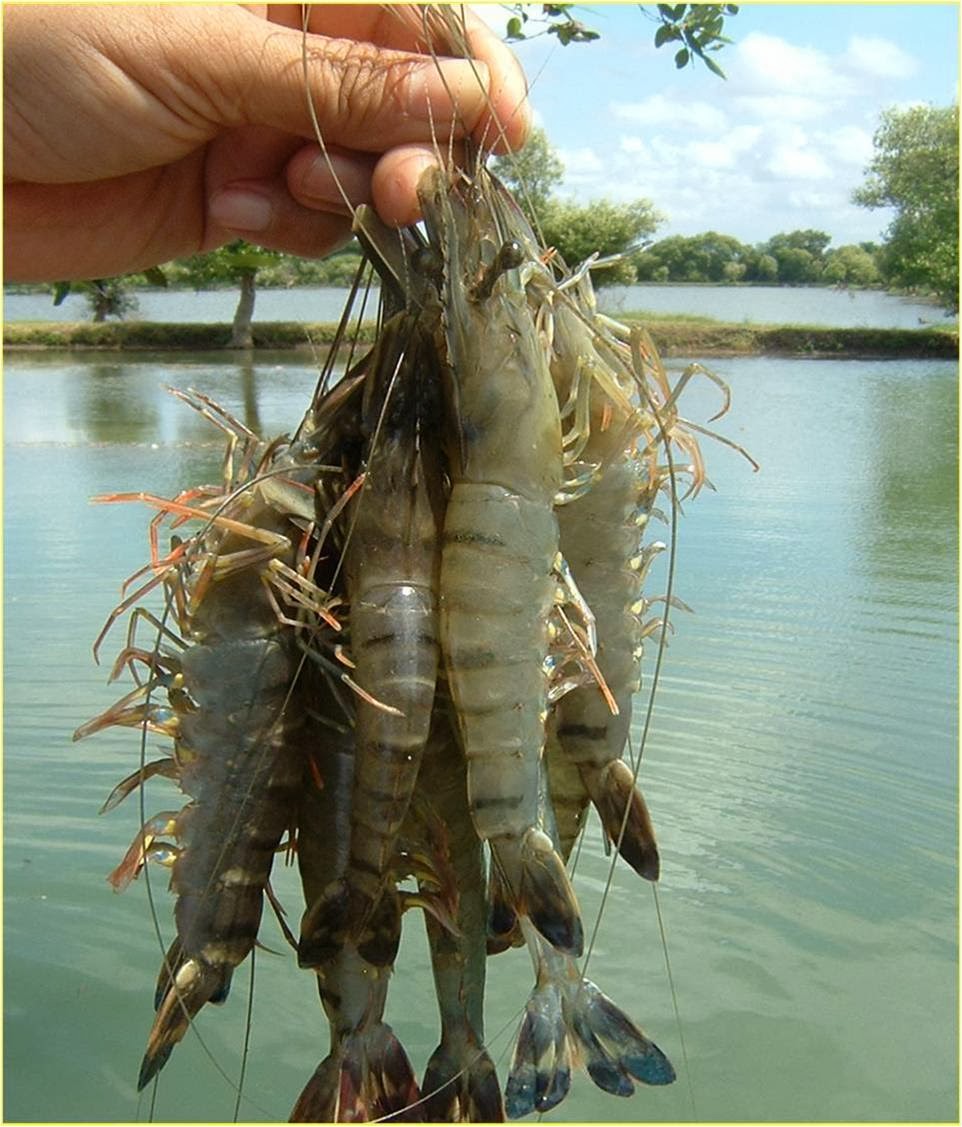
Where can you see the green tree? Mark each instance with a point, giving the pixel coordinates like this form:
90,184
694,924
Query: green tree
734,271
915,170
576,231
796,266
709,257
799,255
851,266
236,263
762,267
533,172
107,297
601,227
814,242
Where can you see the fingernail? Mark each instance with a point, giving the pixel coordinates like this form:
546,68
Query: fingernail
327,180
446,89
241,210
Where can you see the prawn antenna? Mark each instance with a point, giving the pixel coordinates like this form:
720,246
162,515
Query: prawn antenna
674,1003
247,1038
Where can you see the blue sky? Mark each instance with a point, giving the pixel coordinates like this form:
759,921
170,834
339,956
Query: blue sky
778,146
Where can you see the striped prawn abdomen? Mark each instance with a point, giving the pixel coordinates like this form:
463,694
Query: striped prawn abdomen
395,647
496,592
242,770
601,541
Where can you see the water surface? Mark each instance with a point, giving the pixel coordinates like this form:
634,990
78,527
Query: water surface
803,305
801,767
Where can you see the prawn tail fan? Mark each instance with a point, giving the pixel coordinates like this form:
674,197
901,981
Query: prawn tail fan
461,1085
368,1077
615,1051
540,1073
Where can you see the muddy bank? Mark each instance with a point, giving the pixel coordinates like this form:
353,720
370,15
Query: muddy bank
673,338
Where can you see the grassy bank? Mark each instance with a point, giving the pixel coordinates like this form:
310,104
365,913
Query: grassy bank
682,337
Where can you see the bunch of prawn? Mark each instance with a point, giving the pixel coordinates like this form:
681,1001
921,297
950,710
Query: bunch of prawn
410,639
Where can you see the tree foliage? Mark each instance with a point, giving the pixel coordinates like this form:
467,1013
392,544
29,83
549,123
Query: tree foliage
851,265
554,19
915,170
238,263
697,258
110,297
226,265
801,257
811,241
602,228
576,231
696,28
533,172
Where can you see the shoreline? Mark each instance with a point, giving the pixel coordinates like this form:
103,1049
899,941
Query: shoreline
672,338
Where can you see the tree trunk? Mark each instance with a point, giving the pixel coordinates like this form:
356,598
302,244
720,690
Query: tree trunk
241,333
100,300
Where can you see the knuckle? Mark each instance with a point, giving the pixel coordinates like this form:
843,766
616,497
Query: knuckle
369,88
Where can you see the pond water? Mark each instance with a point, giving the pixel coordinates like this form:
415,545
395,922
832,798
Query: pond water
801,767
754,304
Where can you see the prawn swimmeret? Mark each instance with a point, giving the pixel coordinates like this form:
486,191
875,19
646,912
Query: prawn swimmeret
404,645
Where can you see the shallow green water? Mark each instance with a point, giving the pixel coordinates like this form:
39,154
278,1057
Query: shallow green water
801,767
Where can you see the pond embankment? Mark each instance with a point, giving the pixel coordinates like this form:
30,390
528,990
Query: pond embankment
673,338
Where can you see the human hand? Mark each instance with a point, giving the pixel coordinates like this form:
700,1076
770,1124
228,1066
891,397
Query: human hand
137,134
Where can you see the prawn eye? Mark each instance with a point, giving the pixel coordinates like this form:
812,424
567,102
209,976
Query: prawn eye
510,256
427,262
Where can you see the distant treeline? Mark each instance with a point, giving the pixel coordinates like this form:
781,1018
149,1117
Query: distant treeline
796,258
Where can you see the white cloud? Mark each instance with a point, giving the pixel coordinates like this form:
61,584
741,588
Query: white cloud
632,145
812,201
849,144
880,58
774,65
711,154
581,164
790,163
784,107
727,151
664,112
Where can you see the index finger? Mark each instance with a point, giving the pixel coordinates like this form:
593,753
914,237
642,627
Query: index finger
444,31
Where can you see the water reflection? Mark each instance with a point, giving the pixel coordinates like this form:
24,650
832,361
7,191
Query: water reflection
66,398
248,381
913,478
108,406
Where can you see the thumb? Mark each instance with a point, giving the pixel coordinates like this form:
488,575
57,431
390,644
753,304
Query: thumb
368,98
